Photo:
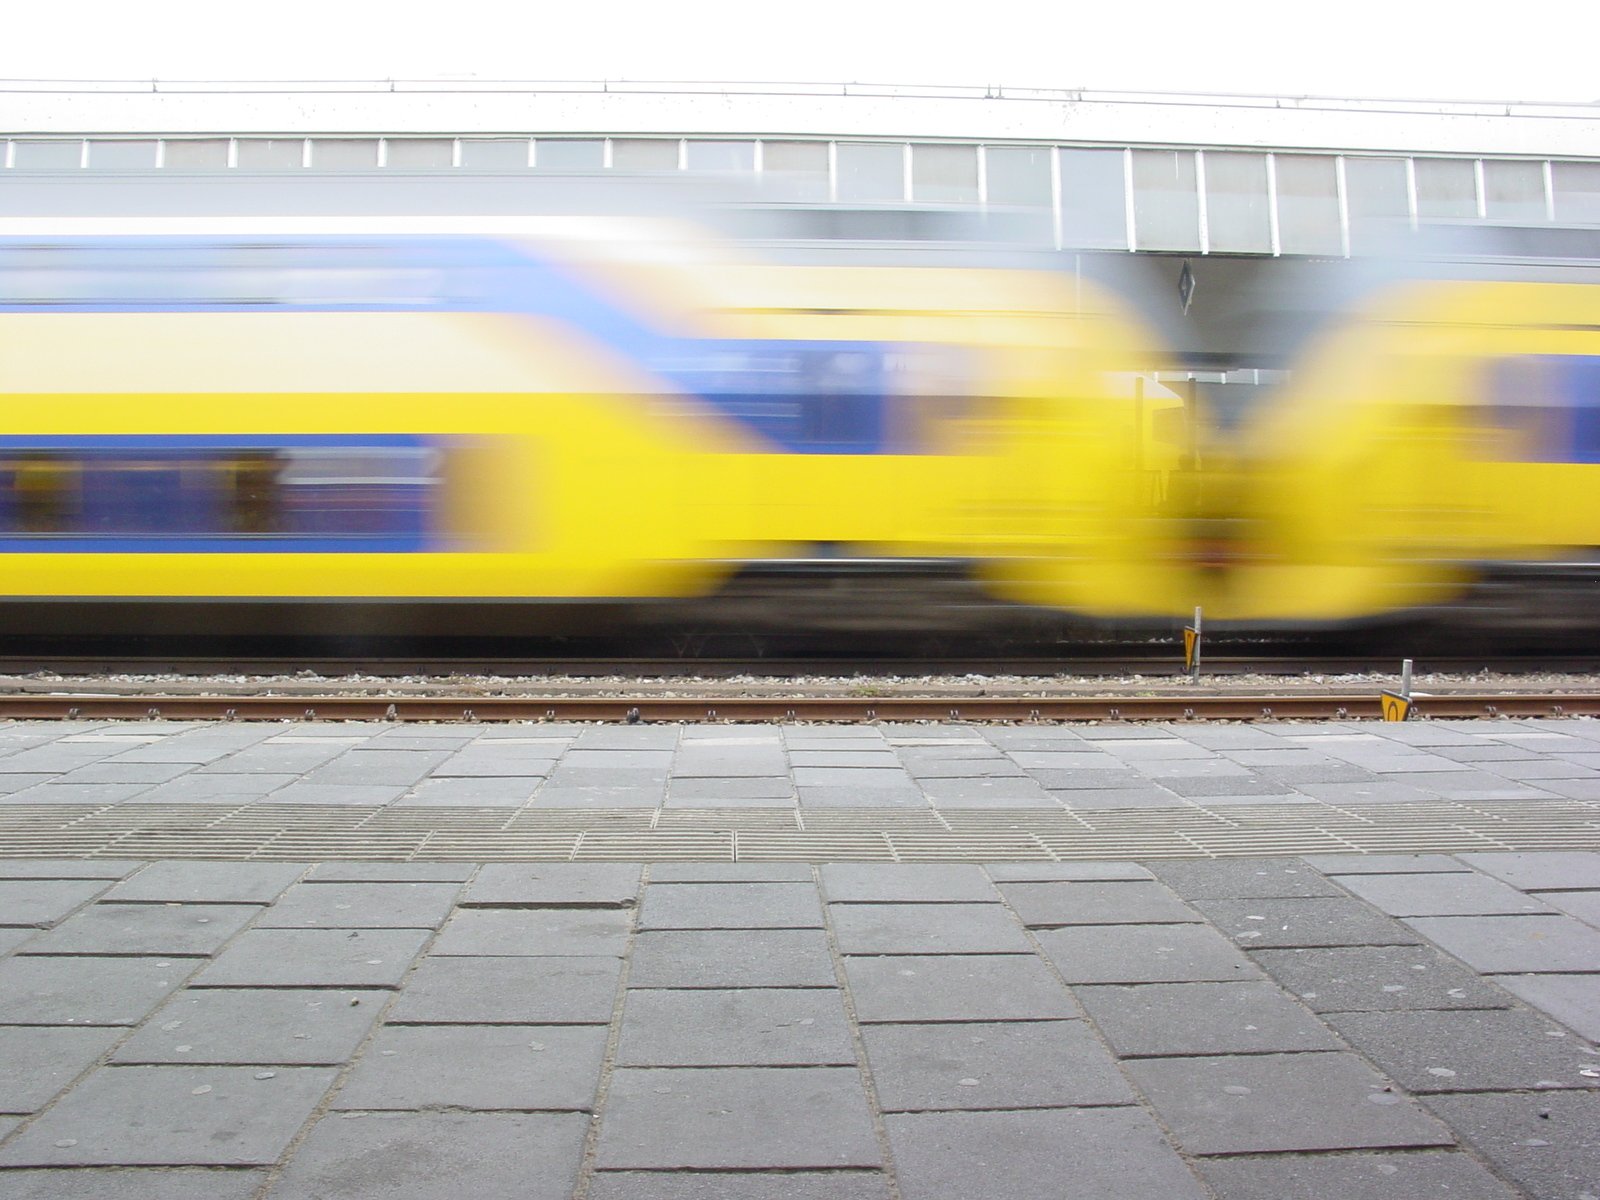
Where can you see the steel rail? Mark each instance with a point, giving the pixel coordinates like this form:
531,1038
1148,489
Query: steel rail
633,709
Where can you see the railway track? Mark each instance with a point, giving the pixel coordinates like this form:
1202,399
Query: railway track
904,707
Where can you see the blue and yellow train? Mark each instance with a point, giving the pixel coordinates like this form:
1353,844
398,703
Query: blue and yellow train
558,408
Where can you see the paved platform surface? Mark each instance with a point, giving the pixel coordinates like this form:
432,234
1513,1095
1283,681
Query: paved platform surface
1063,1022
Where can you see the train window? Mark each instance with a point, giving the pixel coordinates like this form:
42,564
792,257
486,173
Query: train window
721,156
47,155
799,169
122,154
195,153
1308,204
644,154
1019,176
271,154
569,154
943,174
1513,190
344,154
419,153
1094,210
871,171
1378,196
1236,202
1166,205
1446,187
1577,191
494,153
39,494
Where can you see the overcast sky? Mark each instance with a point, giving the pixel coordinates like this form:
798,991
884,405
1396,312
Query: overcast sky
1447,49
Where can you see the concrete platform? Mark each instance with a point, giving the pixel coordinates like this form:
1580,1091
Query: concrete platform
316,961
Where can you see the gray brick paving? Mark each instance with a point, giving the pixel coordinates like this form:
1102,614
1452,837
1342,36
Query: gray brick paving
1418,1175
737,1117
1548,1144
423,1156
261,1026
178,929
1203,1019
172,1116
759,1027
319,958
1014,1064
1049,1154
132,1183
756,1045
481,1067
1263,1103
957,987
1378,979
41,903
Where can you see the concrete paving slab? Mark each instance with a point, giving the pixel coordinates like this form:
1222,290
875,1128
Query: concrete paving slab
561,796
143,929
361,906
731,906
1049,905
42,903
731,958
1022,872
256,1026
1242,878
51,792
116,770
1474,1051
1574,1000
864,778
627,737
1385,864
37,1061
1144,954
494,932
1514,945
926,929
739,1185
1378,979
737,1117
1304,921
355,794
555,885
886,757
209,882
316,958
908,796
986,793
1014,1064
390,872
1264,1103
1249,1017
1583,905
739,872
526,1068
777,1027
133,1183
514,991
1079,779
86,991
172,1116
67,868
901,883
1416,1175
490,792
691,791
482,765
1539,871
423,1156
957,987
1547,1144
1047,1154
1118,798
1440,894
216,789
1202,787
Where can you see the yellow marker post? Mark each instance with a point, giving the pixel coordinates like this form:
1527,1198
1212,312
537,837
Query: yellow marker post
1395,706
1191,647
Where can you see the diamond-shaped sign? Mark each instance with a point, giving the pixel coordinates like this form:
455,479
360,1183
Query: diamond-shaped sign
1186,287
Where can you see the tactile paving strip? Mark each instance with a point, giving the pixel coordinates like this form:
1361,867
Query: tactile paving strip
316,832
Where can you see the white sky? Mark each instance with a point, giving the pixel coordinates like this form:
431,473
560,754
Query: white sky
1443,49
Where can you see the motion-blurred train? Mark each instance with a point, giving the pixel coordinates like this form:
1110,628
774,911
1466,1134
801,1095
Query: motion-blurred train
559,405
1436,450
